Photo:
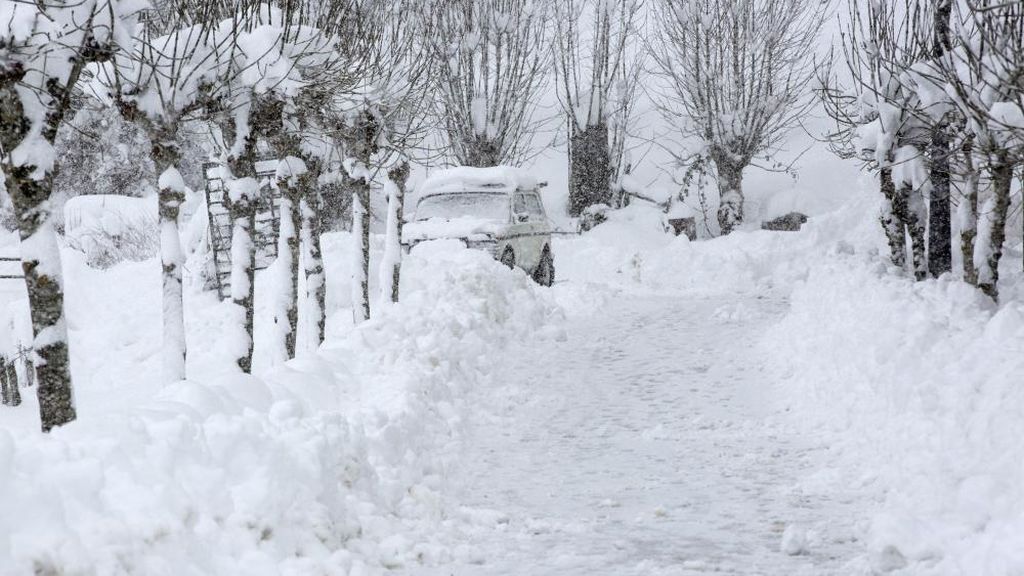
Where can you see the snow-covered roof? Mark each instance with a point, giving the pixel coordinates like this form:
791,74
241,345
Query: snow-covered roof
467,179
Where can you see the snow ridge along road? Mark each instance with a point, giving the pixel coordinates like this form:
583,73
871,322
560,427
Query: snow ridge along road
646,443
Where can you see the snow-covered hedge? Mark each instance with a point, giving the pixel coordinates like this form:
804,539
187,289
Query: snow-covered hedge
327,465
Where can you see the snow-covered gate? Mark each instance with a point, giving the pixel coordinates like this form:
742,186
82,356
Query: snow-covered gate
268,221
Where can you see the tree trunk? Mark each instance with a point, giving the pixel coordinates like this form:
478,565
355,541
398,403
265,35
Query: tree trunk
481,152
891,224
41,263
242,209
969,216
288,247
361,255
242,203
940,232
590,169
1002,184
166,155
313,263
909,209
10,395
730,190
30,191
391,267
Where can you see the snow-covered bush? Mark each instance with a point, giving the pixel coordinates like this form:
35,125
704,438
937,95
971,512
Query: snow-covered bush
111,229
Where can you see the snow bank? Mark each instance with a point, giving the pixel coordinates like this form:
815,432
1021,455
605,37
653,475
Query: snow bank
632,251
327,465
918,389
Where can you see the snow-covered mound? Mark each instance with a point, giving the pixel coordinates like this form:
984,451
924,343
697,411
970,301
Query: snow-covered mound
324,465
918,387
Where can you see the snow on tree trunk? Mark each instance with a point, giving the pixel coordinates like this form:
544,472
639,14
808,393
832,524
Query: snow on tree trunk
391,265
172,195
361,254
909,207
29,169
967,215
41,264
312,258
590,169
940,233
730,192
242,194
289,170
891,224
989,250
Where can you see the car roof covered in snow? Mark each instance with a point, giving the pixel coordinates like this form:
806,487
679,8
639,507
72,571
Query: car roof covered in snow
467,179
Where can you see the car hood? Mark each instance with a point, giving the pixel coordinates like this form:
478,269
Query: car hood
469,227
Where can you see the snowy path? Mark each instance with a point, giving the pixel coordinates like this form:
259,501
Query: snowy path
644,444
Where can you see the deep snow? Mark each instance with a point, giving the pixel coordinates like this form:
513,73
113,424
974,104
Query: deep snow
765,403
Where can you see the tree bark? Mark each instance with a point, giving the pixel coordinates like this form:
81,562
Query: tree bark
1002,184
940,231
313,263
166,155
590,169
891,224
730,191
288,244
969,216
390,279
361,257
909,208
481,152
242,210
30,190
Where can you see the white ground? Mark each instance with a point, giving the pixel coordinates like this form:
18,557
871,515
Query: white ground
764,403
645,443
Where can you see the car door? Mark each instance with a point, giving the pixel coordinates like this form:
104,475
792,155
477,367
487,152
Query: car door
540,228
521,232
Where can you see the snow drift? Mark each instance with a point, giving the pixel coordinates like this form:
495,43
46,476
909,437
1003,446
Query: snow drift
331,464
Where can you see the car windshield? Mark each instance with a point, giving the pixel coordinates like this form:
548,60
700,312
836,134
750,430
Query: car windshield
488,206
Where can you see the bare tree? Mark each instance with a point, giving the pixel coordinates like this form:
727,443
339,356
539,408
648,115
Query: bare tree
596,88
378,126
46,48
982,72
879,116
736,74
157,85
490,58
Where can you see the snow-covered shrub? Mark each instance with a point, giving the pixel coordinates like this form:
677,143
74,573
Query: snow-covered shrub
111,229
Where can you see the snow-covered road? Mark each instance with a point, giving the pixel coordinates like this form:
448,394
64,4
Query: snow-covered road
647,443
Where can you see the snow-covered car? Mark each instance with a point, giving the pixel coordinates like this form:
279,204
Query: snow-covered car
497,210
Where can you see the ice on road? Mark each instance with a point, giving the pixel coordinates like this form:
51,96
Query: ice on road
647,443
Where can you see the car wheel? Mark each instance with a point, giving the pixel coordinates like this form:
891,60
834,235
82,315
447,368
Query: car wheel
508,258
545,272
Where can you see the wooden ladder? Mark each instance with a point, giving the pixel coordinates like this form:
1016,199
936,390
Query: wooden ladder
268,221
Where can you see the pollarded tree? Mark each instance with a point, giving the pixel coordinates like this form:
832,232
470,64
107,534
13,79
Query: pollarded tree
598,67
490,59
266,61
736,74
46,48
160,82
880,118
982,72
